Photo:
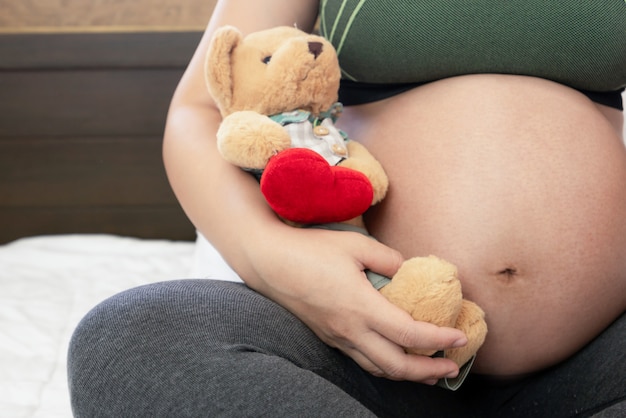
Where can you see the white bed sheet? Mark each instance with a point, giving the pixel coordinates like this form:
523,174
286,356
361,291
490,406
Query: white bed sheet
47,284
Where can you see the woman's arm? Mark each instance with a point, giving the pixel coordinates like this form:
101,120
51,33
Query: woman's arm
317,275
220,199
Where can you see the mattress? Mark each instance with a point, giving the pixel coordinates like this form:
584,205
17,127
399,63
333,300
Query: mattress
47,284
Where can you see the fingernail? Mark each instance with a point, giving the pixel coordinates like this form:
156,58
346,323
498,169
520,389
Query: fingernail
452,374
460,342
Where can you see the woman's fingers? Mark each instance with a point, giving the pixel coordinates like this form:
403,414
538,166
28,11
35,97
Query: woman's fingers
384,348
378,257
374,339
383,358
398,326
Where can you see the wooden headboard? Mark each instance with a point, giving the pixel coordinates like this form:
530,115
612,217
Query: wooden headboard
82,112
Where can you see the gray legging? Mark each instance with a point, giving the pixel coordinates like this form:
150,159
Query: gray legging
207,348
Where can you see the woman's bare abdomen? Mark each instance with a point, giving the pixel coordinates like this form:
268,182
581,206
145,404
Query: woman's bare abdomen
521,183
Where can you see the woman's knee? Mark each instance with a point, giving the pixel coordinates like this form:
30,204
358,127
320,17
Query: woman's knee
190,312
128,350
205,316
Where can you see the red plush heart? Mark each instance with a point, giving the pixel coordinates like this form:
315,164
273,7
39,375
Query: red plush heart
301,186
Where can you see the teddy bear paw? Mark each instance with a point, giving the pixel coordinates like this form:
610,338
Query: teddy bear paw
471,321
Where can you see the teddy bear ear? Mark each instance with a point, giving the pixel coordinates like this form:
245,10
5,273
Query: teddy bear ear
218,65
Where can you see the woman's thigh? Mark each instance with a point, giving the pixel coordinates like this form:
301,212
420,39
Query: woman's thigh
204,347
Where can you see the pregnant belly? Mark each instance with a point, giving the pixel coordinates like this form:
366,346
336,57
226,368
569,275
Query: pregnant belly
519,181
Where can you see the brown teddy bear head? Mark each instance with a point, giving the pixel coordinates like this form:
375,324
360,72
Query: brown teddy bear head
271,71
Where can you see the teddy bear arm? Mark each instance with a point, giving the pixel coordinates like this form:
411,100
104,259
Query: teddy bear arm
248,139
362,160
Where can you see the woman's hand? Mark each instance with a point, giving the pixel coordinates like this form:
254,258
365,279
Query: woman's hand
318,275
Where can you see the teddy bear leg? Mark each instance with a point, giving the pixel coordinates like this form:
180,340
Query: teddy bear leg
429,290
471,321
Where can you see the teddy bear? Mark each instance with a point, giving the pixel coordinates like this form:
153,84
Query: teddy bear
277,86
277,92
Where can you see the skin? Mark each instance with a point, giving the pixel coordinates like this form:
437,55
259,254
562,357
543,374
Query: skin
524,190
496,214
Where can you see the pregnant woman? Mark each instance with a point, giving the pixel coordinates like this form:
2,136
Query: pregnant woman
500,127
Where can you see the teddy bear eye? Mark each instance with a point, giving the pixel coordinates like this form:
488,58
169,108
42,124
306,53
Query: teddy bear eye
267,59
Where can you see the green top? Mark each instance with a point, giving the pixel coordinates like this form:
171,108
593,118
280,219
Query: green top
580,43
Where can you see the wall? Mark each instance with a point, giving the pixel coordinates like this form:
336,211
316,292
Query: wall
72,14
82,112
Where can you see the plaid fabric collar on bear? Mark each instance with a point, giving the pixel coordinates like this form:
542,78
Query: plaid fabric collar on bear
316,132
297,116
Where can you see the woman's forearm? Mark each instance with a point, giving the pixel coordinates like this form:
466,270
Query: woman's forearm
222,201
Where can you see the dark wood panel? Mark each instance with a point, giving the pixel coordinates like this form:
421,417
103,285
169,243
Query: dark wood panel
94,50
85,102
81,124
83,172
165,222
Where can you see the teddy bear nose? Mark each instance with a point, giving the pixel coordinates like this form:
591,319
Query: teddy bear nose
315,48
